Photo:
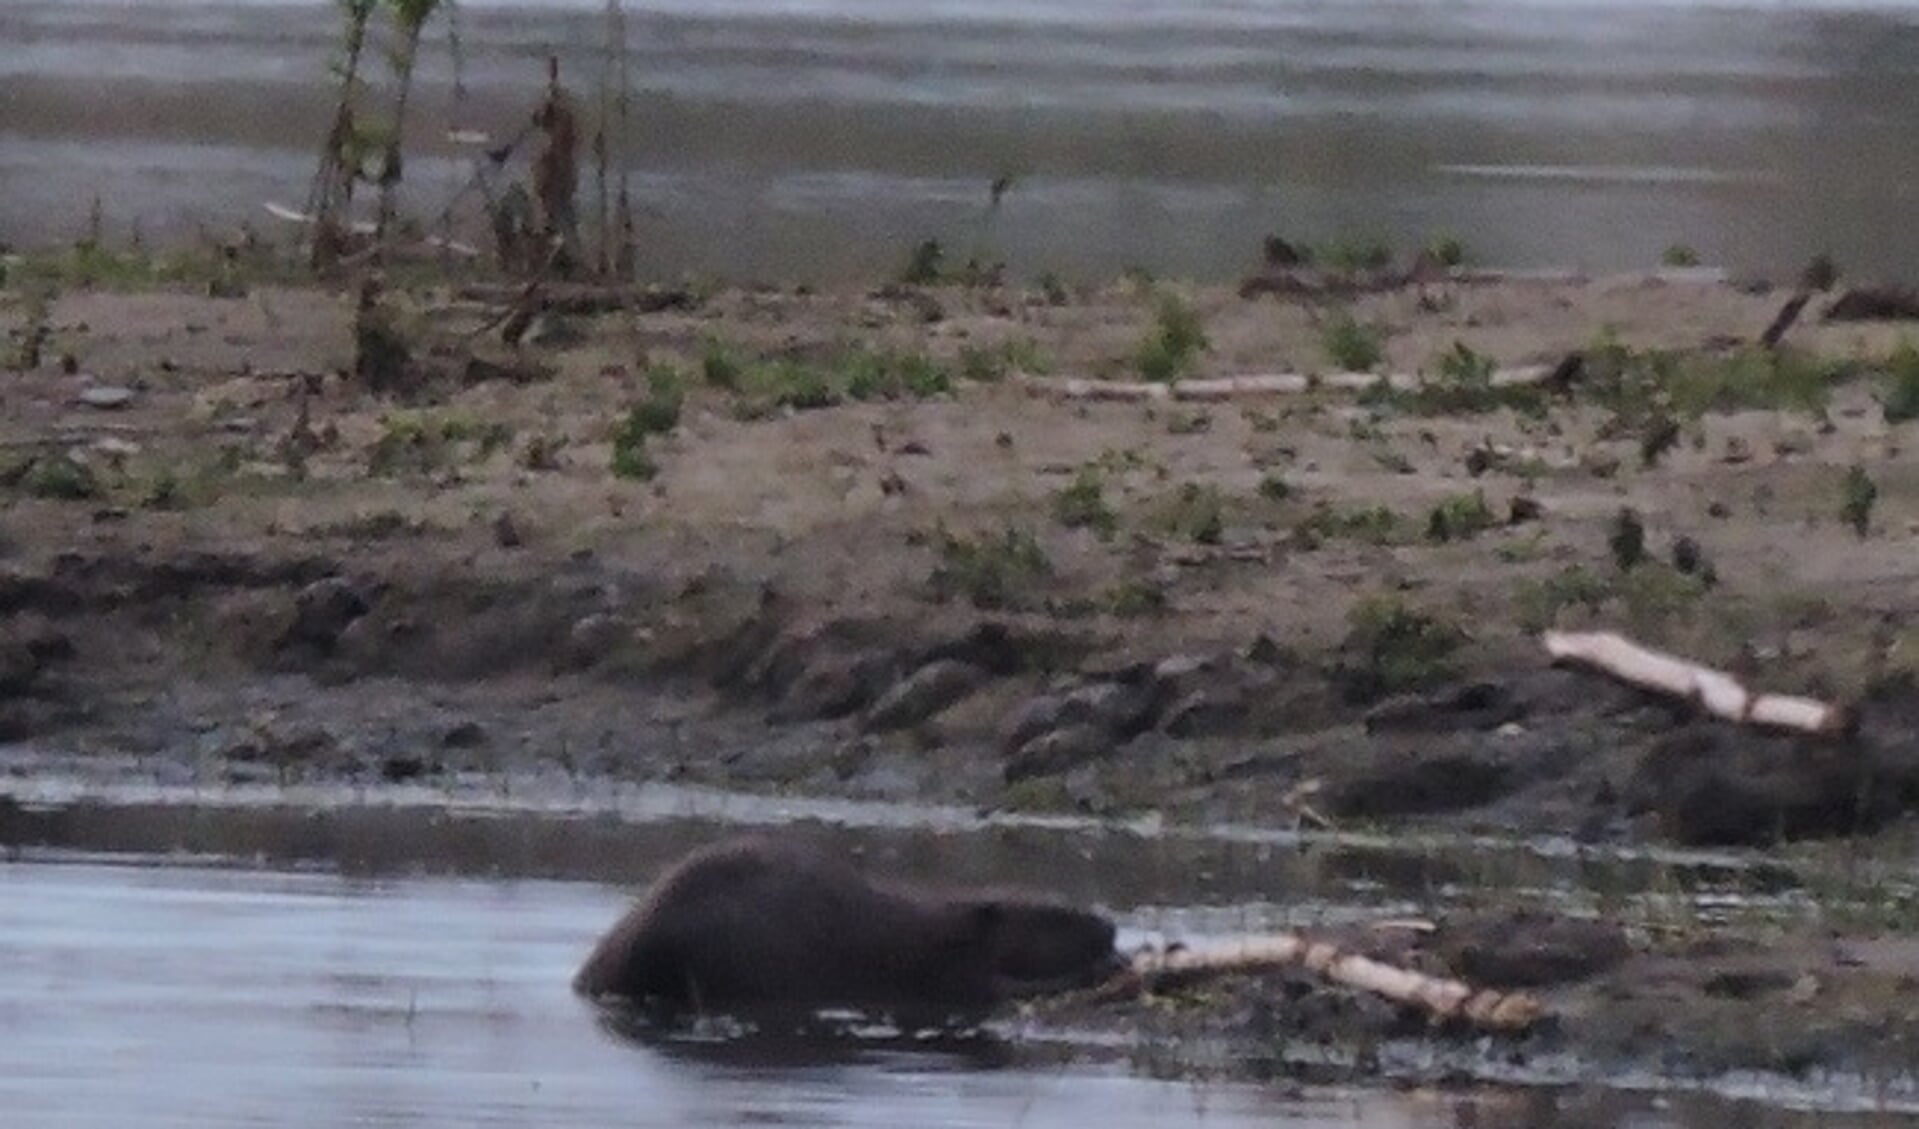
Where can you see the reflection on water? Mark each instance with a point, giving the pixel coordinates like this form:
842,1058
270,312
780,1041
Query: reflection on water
158,996
164,995
821,138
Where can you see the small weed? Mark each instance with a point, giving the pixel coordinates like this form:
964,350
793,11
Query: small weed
984,365
1174,343
1460,517
61,477
164,492
1375,525
1540,601
719,367
1082,505
1131,599
1053,290
926,265
1447,251
1858,493
1274,487
1627,539
1198,513
1391,648
1679,255
992,573
1899,389
1351,345
657,414
1350,256
542,452
1656,595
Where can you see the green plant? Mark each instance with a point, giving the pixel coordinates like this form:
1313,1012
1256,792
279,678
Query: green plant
1899,390
719,367
1082,505
1197,512
1353,346
926,265
1460,517
991,572
659,412
1134,598
1392,648
1376,525
1627,539
1679,255
61,477
1446,250
1539,602
1274,487
1177,338
1858,495
1349,256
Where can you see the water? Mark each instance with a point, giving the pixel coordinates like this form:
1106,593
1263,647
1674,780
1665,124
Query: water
137,990
820,138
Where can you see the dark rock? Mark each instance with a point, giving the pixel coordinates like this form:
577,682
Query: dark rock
989,645
835,686
1477,707
1714,784
924,693
1208,713
402,767
506,532
28,646
1122,708
464,735
591,639
1529,950
322,610
1059,750
1416,778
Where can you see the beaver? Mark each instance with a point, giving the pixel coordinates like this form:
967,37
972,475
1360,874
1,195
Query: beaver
762,924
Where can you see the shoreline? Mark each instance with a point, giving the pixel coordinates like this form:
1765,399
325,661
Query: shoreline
767,553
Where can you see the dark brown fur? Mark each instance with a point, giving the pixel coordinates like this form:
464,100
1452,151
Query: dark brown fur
770,924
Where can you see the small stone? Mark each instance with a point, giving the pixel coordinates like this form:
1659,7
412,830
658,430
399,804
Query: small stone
464,735
106,396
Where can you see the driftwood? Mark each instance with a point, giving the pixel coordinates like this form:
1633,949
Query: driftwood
1720,694
1441,998
1260,384
1782,321
1875,303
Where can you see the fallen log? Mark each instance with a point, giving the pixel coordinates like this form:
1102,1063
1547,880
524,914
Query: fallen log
1717,692
1441,998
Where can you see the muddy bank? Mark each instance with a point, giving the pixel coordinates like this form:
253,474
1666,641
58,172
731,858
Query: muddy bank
865,544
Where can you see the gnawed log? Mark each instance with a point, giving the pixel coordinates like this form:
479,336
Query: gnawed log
1717,692
1440,997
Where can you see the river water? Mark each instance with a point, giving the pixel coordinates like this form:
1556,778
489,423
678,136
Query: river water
171,963
820,138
